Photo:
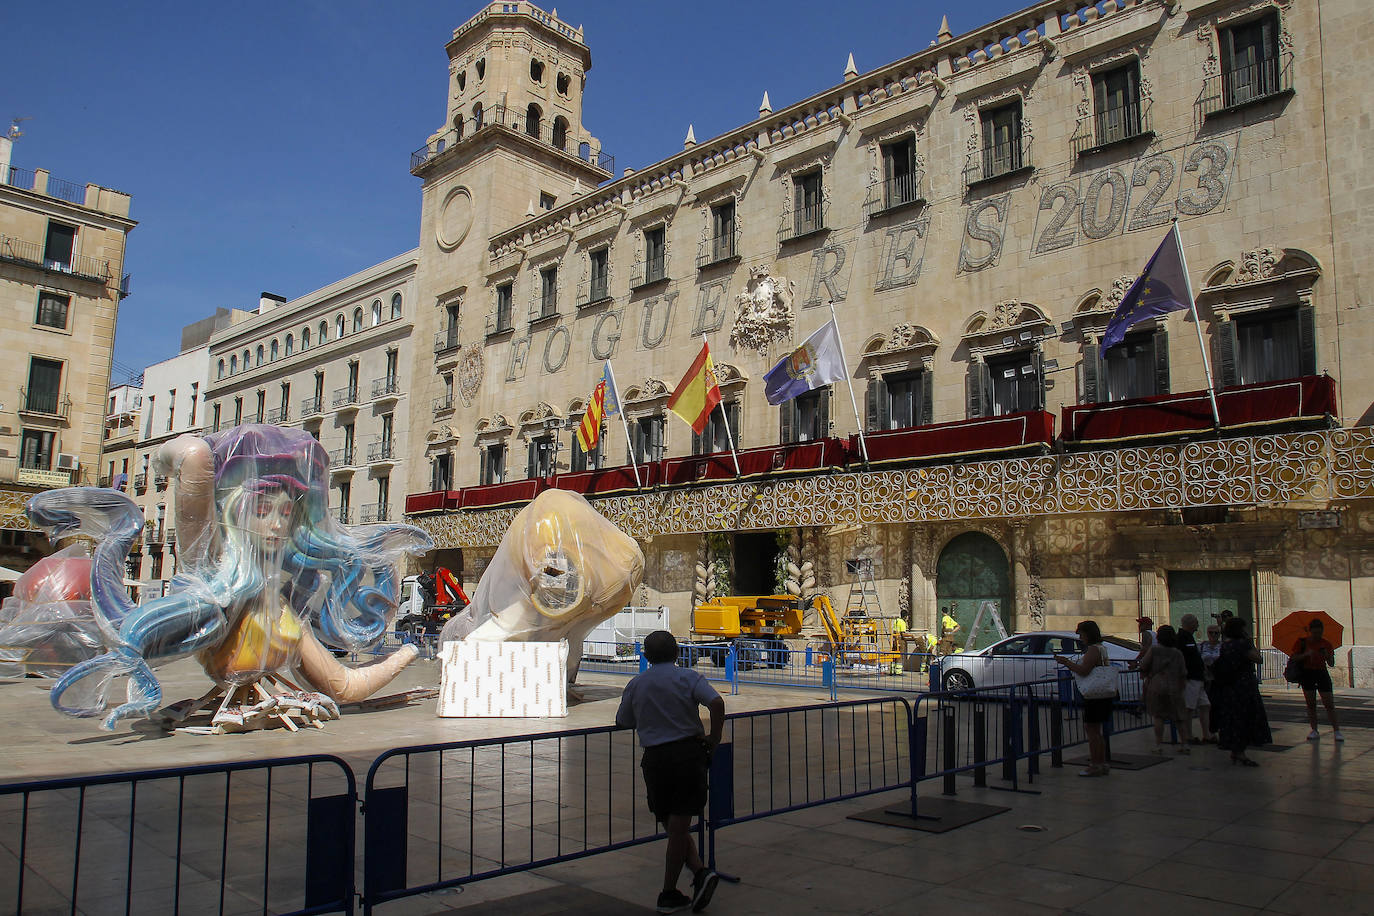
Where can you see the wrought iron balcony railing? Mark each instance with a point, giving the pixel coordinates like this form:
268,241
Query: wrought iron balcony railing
311,407
895,193
344,514
140,481
998,160
1245,85
500,323
443,403
649,271
803,222
279,415
388,386
718,248
374,512
343,397
383,450
29,253
44,402
1111,126
342,457
446,339
594,289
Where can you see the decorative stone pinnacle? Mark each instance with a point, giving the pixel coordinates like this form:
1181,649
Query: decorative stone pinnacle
529,211
765,107
850,71
945,34
691,137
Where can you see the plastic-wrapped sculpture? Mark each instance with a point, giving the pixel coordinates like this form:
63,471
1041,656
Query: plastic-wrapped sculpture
561,569
268,579
47,625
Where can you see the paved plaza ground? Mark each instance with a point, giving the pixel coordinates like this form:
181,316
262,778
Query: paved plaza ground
1193,835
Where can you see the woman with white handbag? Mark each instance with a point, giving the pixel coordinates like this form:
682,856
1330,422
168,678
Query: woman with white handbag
1096,680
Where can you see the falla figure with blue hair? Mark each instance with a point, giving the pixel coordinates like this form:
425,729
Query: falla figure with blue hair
268,584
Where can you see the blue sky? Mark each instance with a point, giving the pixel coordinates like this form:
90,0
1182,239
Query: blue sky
266,145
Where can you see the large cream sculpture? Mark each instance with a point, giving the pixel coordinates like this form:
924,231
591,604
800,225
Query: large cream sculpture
268,582
561,569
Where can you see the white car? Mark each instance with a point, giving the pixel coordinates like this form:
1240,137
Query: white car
1021,658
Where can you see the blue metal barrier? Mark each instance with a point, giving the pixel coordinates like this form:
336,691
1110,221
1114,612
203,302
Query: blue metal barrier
165,840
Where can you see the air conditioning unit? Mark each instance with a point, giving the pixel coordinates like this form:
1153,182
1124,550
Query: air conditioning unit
67,462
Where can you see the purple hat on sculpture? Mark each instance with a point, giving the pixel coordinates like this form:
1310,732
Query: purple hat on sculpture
256,456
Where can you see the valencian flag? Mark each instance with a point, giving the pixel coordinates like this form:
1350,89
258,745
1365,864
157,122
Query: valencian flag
604,402
698,393
1161,289
816,363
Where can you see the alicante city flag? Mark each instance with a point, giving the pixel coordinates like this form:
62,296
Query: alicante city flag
698,393
1161,288
816,363
604,402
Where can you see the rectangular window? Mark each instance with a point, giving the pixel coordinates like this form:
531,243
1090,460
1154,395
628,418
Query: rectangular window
494,464
1130,369
503,306
57,248
806,215
1250,60
349,431
1001,139
383,498
546,200
905,396
1268,347
714,437
171,409
353,381
548,292
319,388
723,231
195,396
45,385
1116,100
238,411
35,450
899,173
52,310
214,414
588,461
806,417
541,455
442,478
260,414
655,254
345,499
648,439
1016,385
600,275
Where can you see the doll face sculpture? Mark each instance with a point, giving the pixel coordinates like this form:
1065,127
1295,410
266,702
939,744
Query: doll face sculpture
266,577
560,569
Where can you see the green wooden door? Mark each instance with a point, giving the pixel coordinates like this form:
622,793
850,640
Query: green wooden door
1204,593
973,569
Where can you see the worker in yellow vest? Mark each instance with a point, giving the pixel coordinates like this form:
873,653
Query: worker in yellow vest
898,628
948,627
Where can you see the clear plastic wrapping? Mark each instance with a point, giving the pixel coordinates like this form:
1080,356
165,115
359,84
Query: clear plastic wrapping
47,626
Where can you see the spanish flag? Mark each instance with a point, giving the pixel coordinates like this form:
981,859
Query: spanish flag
605,401
698,393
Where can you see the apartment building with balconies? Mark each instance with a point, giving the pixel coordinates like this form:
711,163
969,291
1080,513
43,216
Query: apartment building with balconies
336,362
62,247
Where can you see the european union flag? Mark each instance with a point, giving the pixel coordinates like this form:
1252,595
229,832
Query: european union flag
1162,288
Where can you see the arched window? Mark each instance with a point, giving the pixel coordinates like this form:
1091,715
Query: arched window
458,126
477,116
376,312
560,132
290,344
395,306
221,368
537,70
338,326
532,115
462,80
233,364
324,332
357,319
247,360
305,338
481,68
274,350
563,83
260,359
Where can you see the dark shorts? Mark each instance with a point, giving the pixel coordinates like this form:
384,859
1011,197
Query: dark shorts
1095,712
1318,679
675,775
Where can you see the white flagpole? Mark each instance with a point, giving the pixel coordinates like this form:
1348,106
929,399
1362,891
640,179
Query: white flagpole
729,436
620,409
848,377
1197,326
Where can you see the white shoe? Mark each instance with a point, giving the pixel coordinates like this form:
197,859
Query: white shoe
1338,736
1313,735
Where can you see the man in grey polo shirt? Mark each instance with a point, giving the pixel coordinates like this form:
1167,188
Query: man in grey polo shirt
661,705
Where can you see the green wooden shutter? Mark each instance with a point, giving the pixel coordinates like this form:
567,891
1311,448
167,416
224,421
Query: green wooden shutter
927,399
1092,373
877,404
1226,353
1307,340
975,389
1161,348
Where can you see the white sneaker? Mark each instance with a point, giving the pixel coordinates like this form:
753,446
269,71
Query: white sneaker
1313,735
1338,736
